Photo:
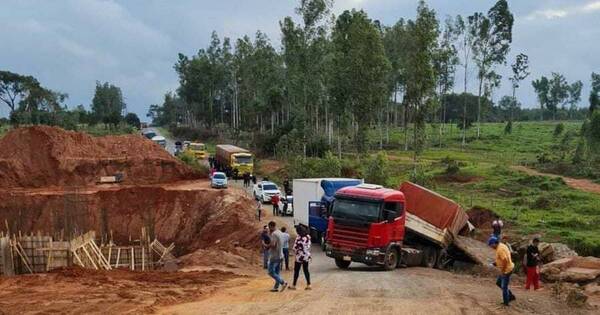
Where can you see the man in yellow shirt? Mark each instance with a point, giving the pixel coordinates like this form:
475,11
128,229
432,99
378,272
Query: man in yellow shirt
505,266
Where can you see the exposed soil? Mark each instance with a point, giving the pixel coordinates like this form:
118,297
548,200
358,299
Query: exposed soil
191,214
481,217
42,156
84,291
576,183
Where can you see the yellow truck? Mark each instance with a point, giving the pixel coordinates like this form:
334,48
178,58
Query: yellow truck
234,161
198,150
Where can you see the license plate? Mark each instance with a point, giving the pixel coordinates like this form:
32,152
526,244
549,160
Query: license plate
347,258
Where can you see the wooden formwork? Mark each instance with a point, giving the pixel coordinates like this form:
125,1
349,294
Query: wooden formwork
36,254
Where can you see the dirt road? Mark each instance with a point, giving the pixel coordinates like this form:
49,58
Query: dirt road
366,290
577,183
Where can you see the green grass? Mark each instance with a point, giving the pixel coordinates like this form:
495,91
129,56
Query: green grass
532,204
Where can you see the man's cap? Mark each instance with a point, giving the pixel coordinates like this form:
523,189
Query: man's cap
493,240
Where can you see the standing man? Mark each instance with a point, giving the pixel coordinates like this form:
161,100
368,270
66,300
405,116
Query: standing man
275,257
286,247
533,262
505,266
275,203
497,226
265,240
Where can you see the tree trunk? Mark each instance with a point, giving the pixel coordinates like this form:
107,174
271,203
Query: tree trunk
479,107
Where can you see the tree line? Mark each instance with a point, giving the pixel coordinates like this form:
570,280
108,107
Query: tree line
31,103
337,81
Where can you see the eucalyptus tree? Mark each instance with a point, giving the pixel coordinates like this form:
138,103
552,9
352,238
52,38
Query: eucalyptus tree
360,69
420,71
520,71
492,38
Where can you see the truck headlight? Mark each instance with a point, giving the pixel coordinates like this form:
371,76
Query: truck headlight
373,252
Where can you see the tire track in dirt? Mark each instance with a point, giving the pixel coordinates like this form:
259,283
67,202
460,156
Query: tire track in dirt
576,183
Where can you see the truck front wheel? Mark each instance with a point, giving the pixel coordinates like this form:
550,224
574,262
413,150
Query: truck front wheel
391,260
342,264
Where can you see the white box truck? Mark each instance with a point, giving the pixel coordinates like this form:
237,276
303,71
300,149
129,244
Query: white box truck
311,199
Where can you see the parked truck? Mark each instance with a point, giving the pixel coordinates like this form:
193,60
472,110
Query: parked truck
233,161
411,226
312,200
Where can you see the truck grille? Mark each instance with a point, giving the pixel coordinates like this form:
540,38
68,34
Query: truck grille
349,237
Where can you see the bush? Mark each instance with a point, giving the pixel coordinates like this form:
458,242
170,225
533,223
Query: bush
329,166
189,159
508,128
419,177
376,169
559,129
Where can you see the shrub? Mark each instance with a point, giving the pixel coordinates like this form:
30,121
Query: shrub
559,129
376,169
508,128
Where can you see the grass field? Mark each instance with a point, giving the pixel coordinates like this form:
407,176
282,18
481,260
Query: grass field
533,204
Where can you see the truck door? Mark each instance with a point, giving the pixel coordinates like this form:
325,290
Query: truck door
393,213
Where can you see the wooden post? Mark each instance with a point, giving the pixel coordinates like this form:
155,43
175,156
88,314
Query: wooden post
132,258
118,257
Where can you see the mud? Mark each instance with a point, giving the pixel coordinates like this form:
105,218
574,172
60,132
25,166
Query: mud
42,156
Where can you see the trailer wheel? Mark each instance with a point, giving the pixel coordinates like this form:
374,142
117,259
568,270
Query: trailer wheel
429,257
391,260
442,259
342,264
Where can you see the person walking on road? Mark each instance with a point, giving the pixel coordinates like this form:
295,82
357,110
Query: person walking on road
505,266
275,203
532,263
258,209
302,253
275,257
286,247
265,240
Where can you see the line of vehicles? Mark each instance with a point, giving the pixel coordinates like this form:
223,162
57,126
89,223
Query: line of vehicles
353,221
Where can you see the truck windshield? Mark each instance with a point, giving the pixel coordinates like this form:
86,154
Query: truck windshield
356,209
243,159
197,147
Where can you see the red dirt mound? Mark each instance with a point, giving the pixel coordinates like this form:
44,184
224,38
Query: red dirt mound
193,218
481,217
43,156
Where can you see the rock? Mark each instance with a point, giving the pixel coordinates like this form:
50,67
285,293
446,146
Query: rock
572,269
592,288
576,298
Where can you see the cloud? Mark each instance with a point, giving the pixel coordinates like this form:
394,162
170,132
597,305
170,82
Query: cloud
550,14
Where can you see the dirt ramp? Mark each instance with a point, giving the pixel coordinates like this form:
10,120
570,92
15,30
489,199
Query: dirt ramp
41,156
192,219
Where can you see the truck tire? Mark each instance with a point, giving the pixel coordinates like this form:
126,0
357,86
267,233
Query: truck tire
342,264
442,259
429,257
391,260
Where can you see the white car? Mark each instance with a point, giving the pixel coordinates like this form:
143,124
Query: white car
160,140
218,180
263,191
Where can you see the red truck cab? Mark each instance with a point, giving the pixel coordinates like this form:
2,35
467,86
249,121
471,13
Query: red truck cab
367,225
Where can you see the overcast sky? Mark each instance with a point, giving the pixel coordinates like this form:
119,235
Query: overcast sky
69,45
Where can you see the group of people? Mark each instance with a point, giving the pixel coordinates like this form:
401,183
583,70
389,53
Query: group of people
506,266
248,179
275,247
